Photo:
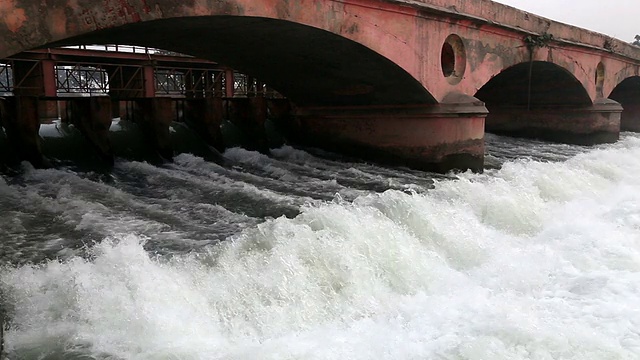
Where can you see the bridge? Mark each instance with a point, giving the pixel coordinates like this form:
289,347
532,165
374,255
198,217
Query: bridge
412,82
89,86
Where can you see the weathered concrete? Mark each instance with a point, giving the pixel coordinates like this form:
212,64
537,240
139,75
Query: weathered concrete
250,114
21,124
92,116
155,116
588,125
367,54
205,116
437,138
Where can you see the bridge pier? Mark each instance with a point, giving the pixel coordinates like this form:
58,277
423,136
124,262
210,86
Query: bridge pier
437,138
92,116
205,116
155,116
21,122
588,125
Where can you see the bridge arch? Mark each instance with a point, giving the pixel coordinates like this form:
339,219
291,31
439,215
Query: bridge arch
317,53
540,99
627,93
538,84
311,66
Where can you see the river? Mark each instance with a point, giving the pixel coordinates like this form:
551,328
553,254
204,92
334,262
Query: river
308,255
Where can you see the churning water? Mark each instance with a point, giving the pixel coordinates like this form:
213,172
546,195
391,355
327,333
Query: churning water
296,256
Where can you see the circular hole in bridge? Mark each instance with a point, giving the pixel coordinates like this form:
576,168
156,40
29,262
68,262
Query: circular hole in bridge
453,59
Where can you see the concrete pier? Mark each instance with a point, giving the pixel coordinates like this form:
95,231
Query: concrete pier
435,138
155,116
21,123
250,114
92,116
205,117
586,125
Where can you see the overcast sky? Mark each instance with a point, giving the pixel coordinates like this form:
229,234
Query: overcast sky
617,18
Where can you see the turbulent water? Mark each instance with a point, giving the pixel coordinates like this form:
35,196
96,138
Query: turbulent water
300,256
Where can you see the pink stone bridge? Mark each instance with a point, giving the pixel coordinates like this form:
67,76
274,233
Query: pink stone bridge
412,82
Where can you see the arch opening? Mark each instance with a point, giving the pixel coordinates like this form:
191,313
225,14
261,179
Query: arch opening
536,85
545,101
627,93
310,66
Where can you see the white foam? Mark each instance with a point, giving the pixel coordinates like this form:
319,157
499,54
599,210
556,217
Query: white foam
533,261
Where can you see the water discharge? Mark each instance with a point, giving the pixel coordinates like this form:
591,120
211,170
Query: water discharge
293,256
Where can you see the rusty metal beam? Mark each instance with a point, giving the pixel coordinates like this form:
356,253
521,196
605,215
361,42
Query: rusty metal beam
67,55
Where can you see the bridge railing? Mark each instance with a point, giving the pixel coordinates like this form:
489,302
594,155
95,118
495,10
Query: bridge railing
87,79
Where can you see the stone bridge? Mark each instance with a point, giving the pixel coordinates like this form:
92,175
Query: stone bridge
411,82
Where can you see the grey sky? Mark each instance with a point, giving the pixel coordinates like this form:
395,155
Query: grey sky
617,18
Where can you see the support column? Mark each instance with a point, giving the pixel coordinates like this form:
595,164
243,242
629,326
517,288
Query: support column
37,78
21,123
438,137
48,110
92,116
155,117
588,125
229,80
115,109
250,114
205,116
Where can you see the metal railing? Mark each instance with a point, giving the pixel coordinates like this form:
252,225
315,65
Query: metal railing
81,79
88,79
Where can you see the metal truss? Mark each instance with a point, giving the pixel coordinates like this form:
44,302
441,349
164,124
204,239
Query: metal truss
81,79
196,83
6,78
125,78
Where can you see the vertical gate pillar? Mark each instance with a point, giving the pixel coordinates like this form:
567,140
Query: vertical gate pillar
205,116
155,117
250,114
92,116
21,123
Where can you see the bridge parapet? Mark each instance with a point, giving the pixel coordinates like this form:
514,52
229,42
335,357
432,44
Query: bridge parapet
513,19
